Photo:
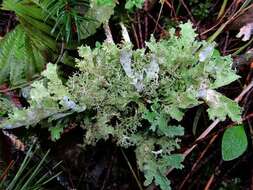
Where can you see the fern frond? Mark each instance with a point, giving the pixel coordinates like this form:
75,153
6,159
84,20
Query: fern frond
8,56
20,57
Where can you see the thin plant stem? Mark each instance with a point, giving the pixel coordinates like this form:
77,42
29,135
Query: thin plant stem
132,170
222,10
243,47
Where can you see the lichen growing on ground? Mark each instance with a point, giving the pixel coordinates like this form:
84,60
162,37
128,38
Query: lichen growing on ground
132,96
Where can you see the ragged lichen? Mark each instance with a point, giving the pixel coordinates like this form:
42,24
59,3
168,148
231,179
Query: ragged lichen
133,95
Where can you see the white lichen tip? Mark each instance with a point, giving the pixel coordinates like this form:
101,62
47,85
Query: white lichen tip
245,31
125,34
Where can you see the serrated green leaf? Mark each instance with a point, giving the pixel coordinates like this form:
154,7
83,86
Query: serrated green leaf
234,143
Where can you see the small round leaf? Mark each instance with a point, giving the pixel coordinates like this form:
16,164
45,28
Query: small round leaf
234,143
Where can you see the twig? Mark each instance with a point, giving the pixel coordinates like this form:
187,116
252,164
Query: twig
146,27
211,179
5,172
203,135
159,16
207,187
140,30
109,169
225,43
198,160
188,11
158,25
132,170
135,36
170,5
146,20
244,92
